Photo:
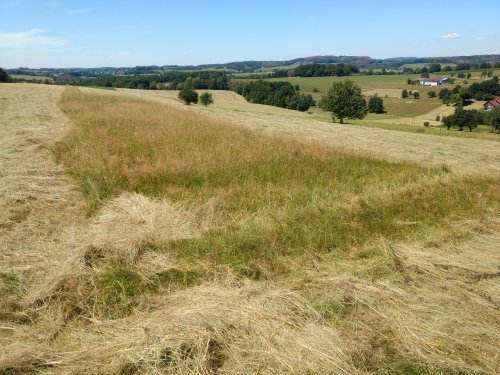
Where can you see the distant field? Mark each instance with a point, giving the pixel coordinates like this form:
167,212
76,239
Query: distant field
31,78
270,69
422,65
365,82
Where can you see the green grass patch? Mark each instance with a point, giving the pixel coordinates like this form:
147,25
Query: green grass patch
174,278
116,291
307,84
23,77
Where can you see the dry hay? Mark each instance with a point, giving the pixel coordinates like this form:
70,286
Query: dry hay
132,222
443,312
249,328
126,233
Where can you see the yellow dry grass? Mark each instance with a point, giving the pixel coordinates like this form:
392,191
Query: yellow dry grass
466,156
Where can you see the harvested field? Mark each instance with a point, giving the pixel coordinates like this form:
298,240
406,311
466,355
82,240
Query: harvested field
192,240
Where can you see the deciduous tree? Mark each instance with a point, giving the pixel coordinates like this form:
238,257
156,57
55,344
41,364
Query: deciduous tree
188,95
206,99
344,100
375,104
4,77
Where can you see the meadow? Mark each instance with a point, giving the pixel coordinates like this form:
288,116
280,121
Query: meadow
185,241
32,78
398,111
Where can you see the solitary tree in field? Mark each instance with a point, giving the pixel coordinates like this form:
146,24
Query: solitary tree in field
206,99
344,100
375,104
404,93
416,95
431,94
188,95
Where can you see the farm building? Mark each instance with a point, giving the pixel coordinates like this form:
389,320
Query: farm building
492,104
434,81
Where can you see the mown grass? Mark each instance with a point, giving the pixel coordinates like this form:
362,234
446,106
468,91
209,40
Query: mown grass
307,84
481,132
275,199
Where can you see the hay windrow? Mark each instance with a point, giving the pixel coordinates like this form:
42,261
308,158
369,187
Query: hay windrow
217,329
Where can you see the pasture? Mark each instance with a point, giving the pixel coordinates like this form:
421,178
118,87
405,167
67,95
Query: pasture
398,110
239,238
32,78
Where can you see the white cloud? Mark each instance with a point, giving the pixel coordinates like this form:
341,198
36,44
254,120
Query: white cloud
480,38
30,38
81,11
451,36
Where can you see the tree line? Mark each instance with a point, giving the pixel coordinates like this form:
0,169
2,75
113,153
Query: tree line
485,90
278,94
209,80
325,70
463,118
4,77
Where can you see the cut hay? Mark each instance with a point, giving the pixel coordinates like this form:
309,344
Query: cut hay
243,329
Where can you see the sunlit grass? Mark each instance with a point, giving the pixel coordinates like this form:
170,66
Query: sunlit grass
275,197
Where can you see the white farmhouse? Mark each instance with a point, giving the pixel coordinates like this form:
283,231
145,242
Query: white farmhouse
434,81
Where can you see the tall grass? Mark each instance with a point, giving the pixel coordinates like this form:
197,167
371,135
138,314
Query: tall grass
274,198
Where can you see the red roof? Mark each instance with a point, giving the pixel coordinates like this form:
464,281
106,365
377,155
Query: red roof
494,102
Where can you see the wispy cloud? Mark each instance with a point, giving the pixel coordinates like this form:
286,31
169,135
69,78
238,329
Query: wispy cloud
30,38
81,11
451,36
480,38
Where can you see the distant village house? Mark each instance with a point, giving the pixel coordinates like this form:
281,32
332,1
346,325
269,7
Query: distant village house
492,104
434,81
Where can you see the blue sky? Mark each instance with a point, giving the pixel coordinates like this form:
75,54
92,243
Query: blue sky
76,33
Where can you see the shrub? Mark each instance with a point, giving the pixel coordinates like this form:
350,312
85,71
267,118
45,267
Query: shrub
206,99
188,95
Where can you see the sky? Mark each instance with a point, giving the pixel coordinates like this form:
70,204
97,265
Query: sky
77,33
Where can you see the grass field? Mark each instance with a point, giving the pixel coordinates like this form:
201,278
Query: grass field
365,82
211,247
31,78
422,65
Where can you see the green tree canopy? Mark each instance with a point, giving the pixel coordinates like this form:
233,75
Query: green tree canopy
434,67
463,118
493,119
404,93
187,94
376,104
344,100
206,99
4,77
